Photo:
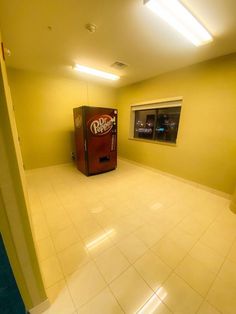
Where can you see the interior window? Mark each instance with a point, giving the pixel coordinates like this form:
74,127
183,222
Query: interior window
157,124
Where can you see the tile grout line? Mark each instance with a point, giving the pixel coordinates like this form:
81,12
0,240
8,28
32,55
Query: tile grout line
217,274
64,277
107,285
173,270
115,244
205,298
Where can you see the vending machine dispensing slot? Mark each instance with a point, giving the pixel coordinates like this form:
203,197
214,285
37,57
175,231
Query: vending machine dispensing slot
95,139
104,159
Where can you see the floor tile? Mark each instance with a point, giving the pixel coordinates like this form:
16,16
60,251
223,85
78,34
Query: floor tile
41,231
218,240
51,271
154,306
196,274
131,291
85,284
38,218
58,221
169,251
111,263
132,247
77,213
105,217
178,237
222,296
103,303
183,239
232,253
97,244
122,230
72,258
178,296
88,228
45,248
134,220
65,238
207,256
192,226
152,269
228,272
206,308
149,234
60,299
96,208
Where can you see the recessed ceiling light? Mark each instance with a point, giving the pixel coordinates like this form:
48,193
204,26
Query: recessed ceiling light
176,15
105,75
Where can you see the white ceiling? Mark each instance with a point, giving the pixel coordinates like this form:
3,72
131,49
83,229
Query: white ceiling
126,31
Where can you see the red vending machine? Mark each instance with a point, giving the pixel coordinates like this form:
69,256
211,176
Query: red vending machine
95,139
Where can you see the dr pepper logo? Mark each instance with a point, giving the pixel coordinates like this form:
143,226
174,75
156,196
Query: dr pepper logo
101,125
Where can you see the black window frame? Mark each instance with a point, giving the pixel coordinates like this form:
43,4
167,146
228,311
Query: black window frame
157,121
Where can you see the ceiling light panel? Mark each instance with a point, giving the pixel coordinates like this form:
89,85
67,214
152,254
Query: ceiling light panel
95,72
176,15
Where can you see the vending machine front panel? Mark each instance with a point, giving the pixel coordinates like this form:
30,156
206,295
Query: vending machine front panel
96,139
101,139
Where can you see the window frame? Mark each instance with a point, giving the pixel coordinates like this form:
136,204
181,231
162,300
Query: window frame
154,104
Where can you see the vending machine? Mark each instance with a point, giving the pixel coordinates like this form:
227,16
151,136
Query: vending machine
95,139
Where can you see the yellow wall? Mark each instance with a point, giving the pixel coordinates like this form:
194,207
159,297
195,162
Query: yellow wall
43,108
14,221
206,148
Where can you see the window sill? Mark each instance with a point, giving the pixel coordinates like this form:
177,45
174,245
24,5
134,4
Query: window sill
152,141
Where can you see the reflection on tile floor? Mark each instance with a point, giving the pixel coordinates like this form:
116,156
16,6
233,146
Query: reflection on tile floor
132,241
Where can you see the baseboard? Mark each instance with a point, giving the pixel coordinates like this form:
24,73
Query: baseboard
40,308
198,185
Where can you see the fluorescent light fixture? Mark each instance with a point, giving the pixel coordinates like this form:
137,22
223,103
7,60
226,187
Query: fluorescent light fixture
105,75
176,15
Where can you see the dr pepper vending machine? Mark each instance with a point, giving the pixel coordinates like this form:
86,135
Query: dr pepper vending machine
95,139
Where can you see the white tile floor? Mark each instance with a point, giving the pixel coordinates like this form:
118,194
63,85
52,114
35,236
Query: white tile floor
132,241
